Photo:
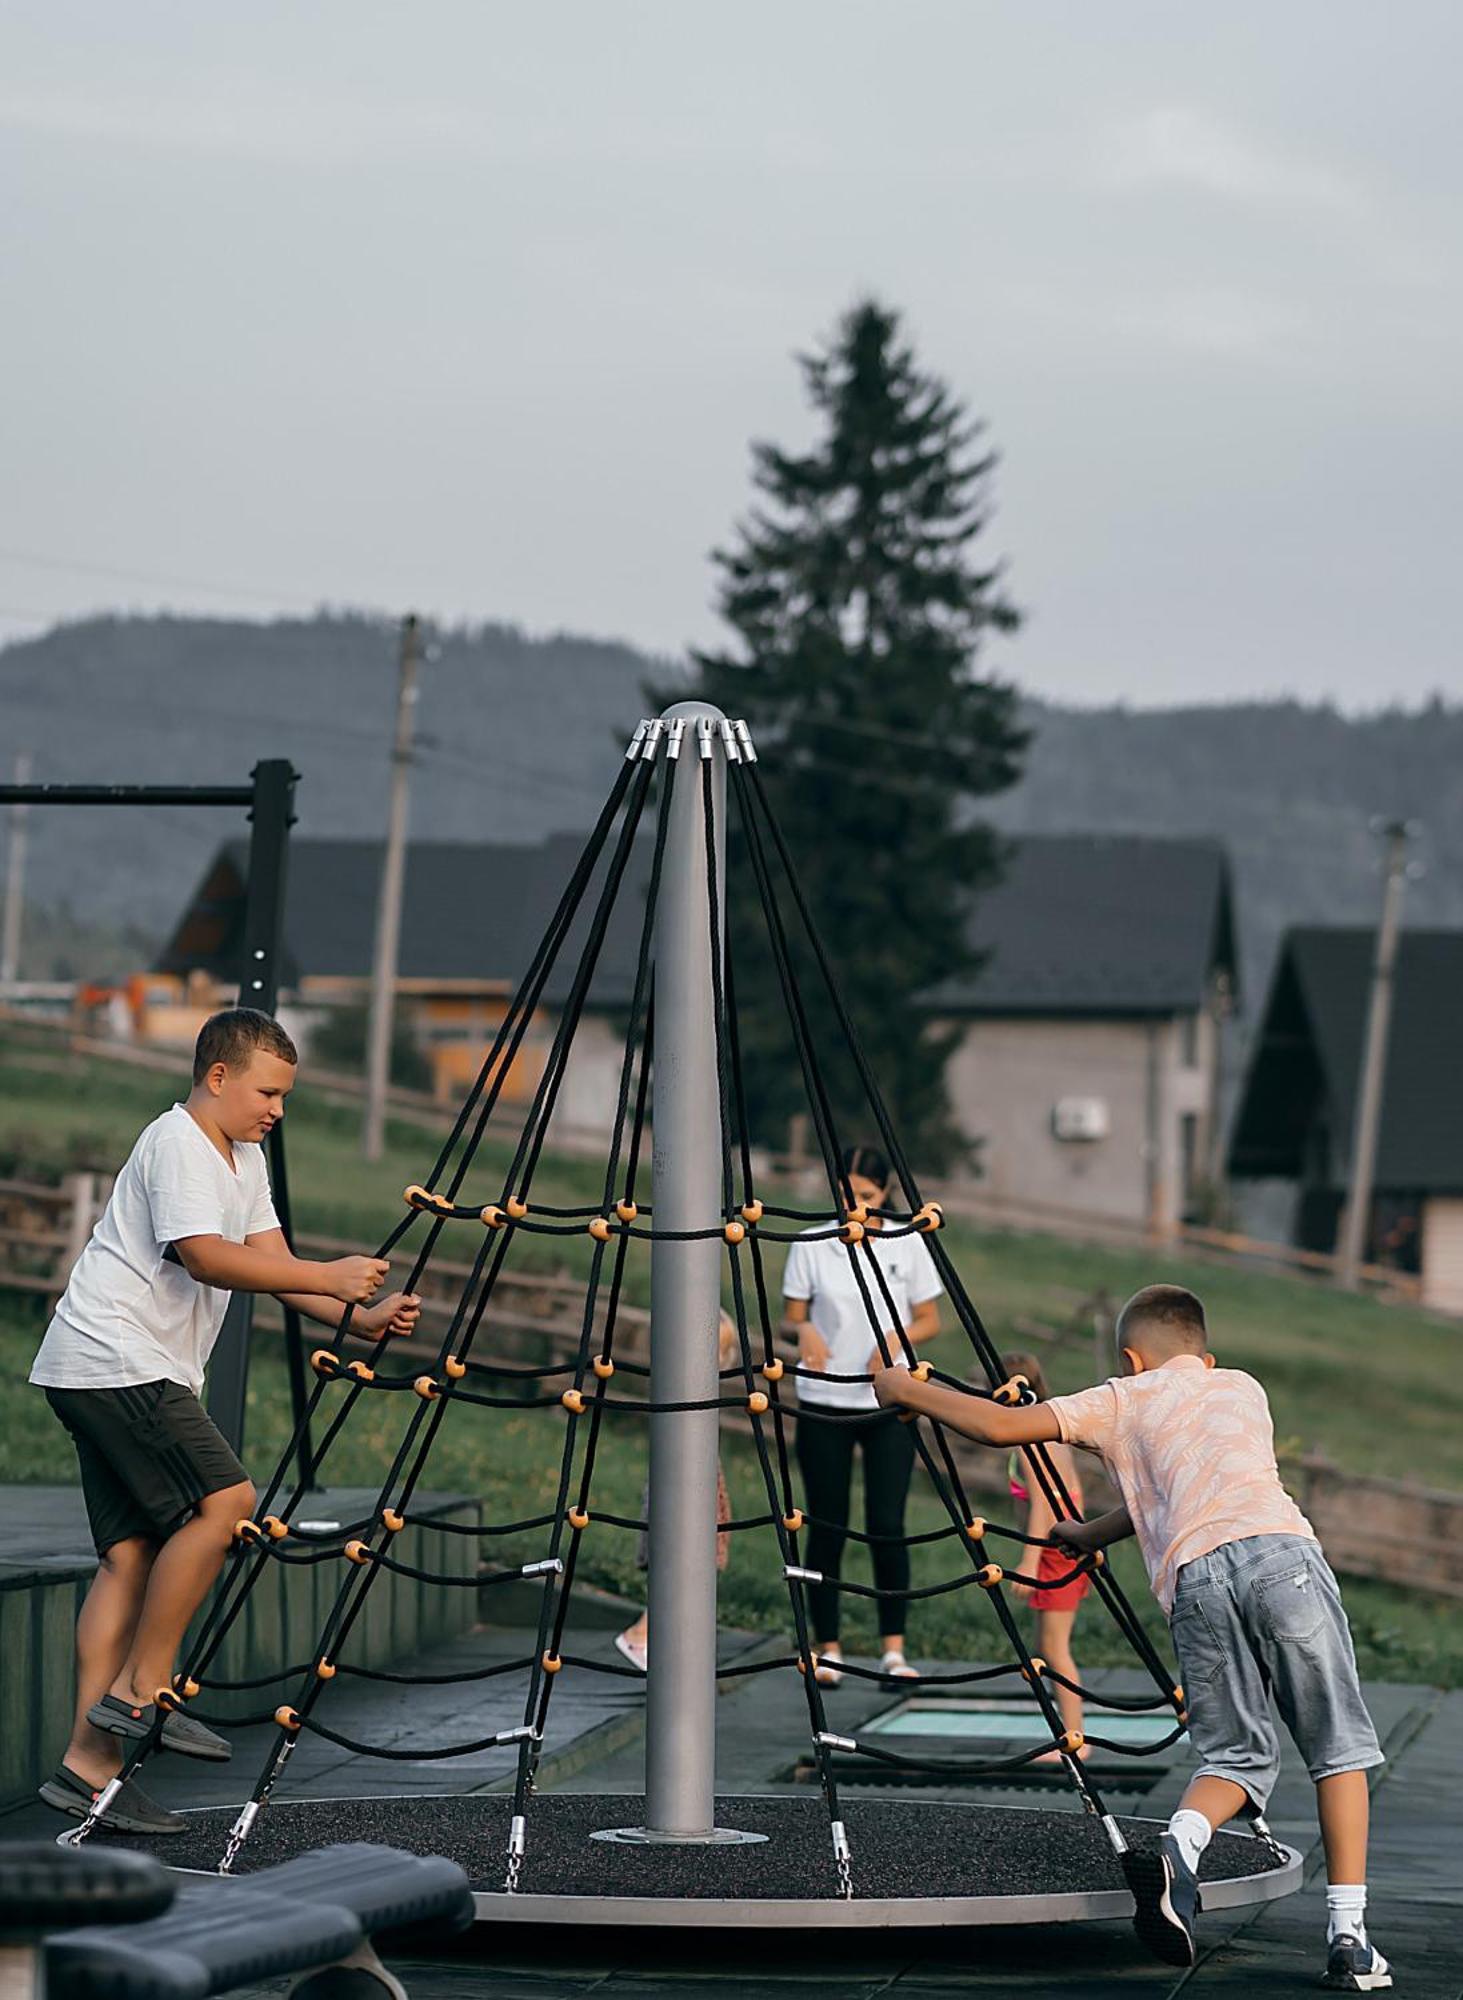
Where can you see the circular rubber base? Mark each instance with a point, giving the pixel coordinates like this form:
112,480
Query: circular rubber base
915,1863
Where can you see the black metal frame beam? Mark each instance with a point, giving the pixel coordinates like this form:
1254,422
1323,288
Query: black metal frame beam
269,801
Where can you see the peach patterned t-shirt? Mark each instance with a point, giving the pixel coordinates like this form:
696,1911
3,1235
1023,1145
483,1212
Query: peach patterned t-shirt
1191,1449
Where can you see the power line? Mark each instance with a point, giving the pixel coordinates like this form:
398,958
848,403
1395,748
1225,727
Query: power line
37,559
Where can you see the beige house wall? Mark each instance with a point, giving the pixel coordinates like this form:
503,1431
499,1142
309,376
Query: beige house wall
1008,1075
1442,1253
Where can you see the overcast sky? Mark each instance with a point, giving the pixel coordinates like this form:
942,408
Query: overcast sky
474,308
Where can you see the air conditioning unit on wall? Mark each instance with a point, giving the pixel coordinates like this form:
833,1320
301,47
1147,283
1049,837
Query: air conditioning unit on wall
1080,1120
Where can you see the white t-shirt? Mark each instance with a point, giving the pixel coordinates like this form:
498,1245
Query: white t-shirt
822,1271
128,1315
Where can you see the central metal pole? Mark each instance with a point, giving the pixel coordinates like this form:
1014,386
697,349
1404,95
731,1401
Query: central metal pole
685,1300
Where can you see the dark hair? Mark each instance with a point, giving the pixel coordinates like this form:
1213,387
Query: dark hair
868,1163
232,1037
1031,1368
1178,1313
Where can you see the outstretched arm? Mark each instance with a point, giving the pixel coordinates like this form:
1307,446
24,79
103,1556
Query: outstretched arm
1082,1537
973,1416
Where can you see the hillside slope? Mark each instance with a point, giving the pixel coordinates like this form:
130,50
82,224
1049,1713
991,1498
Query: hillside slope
519,739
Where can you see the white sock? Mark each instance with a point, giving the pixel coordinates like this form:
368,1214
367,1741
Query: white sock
1193,1833
1345,1911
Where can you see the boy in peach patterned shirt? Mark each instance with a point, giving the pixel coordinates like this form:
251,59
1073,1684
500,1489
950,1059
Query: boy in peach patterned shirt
1252,1604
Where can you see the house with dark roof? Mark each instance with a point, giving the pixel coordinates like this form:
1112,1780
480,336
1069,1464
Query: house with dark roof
1298,1104
1089,1049
472,917
1089,1062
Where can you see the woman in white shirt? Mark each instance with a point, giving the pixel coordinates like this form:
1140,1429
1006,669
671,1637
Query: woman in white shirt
825,1305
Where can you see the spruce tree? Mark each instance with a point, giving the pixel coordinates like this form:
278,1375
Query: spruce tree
859,616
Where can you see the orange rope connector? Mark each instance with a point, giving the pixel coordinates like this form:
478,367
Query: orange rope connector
274,1527
517,1207
392,1521
627,1210
573,1401
325,1670
757,1403
773,1371
851,1232
288,1720
600,1229
920,1372
360,1371
427,1388
1072,1741
356,1552
1009,1393
930,1217
802,1666
990,1576
248,1531
734,1232
168,1698
1178,1696
189,1688
1099,1558
453,1368
1038,1666
976,1528
857,1211
603,1367
420,1197
793,1521
324,1362
579,1517
752,1211
492,1216
552,1663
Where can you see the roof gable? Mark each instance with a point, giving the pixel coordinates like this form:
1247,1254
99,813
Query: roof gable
1308,1055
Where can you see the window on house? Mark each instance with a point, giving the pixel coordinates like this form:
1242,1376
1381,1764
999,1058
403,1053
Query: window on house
1189,1155
1189,1040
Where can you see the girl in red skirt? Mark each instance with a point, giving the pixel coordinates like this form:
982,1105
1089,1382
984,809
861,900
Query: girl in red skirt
1055,1604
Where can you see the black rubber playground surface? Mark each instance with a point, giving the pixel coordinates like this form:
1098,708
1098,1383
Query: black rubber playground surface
900,1849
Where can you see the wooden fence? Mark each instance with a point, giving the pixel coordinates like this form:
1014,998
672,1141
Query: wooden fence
1410,1534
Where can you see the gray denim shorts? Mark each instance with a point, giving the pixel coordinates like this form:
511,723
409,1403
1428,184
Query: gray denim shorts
1263,1617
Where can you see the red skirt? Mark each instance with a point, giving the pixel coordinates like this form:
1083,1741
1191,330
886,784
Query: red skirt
1066,1596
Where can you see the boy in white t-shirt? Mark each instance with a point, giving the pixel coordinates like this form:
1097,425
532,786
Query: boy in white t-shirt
190,1220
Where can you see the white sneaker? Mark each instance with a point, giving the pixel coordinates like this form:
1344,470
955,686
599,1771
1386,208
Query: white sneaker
828,1667
894,1667
1354,1967
633,1649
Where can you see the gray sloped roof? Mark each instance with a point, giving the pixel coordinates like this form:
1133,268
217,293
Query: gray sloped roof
1082,924
1101,924
469,911
1303,1076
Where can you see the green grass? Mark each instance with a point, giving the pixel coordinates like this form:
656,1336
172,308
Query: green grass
1375,1387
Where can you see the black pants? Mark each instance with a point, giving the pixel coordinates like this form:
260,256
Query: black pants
825,1456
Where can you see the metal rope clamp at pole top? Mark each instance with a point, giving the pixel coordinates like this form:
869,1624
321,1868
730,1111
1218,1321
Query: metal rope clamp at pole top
685,1301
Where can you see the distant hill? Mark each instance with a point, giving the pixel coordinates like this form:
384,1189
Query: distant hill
519,740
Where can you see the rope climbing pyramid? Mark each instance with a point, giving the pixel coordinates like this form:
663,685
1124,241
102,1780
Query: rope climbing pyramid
696,1204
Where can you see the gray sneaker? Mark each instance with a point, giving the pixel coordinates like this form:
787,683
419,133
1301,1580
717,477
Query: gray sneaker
132,1811
189,1738
1354,1967
1165,1898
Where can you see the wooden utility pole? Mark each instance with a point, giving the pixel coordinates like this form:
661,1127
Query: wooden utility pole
388,908
1367,1124
14,882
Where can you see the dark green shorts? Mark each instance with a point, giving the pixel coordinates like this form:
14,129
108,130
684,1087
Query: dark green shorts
148,1456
